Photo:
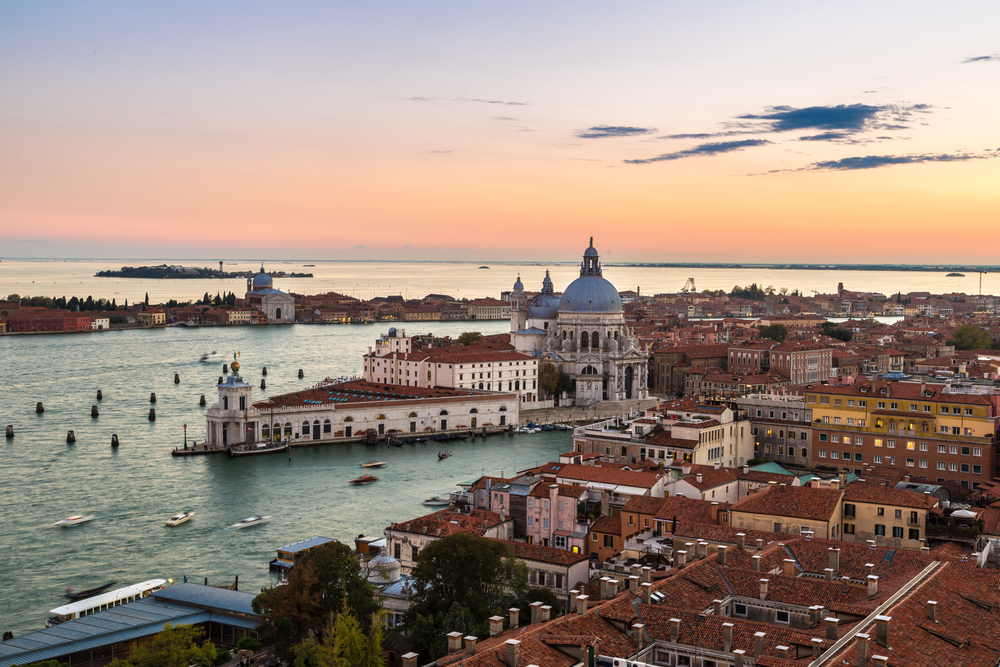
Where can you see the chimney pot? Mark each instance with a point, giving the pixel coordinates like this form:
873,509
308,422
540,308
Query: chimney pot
717,607
755,559
633,583
535,612
789,567
882,630
817,645
470,644
758,643
862,649
829,574
782,650
410,659
514,615
675,629
680,558
513,653
931,609
544,613
581,604
722,554
831,627
741,540
869,569
647,574
727,637
760,544
644,591
454,642
496,625
637,634
763,589
880,660
698,477
739,653
872,585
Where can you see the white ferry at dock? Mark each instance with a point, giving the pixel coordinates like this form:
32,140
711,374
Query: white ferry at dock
103,601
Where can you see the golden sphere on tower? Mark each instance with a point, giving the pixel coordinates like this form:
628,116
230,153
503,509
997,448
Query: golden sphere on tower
235,366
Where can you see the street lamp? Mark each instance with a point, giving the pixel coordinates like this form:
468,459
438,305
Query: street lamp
185,436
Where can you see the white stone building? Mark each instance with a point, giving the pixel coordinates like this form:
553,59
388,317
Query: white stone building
277,305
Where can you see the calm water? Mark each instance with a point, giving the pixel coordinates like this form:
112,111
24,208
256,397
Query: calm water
365,280
135,489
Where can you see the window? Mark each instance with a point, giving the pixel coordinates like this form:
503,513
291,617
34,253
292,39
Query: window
822,437
531,503
894,406
880,511
593,537
914,533
965,467
913,407
880,529
910,445
942,449
891,444
822,453
953,449
848,529
396,553
609,541
858,456
940,465
897,532
878,442
927,408
414,552
910,463
890,460
966,451
898,514
913,518
781,617
977,470
531,521
881,405
923,463
739,609
849,509
923,446
878,458
834,438
968,411
953,467
834,454
847,440
977,451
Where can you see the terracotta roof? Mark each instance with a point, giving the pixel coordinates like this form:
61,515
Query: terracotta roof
610,525
449,523
878,493
541,554
360,391
644,504
566,490
608,475
799,502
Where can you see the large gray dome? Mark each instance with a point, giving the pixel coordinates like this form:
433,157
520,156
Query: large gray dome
262,280
544,306
590,293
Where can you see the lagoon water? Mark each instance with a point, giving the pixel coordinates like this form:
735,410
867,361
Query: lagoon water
134,489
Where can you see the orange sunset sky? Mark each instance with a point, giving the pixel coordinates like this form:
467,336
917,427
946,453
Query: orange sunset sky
741,131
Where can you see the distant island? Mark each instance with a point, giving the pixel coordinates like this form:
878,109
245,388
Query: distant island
813,267
175,272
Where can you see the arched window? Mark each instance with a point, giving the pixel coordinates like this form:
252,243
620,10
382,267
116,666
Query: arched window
616,336
265,431
443,413
594,340
348,419
473,411
589,370
327,428
517,385
480,385
380,417
288,429
503,408
413,415
584,339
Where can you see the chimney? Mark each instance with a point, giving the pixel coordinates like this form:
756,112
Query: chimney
644,590
834,560
758,643
410,659
789,567
722,554
604,589
715,512
882,630
846,584
829,574
454,643
689,547
536,611
739,653
544,613
831,627
755,559
633,584
813,614
727,637
717,607
496,625
746,469
470,644
514,615
680,558
817,645
513,655
702,550
784,651
581,604
880,660
613,587
926,551
647,574
869,569
760,544
741,539
637,634
698,478
872,585
763,589
675,629
931,607
862,650
635,570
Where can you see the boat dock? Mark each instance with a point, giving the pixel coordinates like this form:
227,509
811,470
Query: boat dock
197,449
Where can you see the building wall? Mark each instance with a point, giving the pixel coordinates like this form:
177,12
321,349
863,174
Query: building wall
791,525
866,518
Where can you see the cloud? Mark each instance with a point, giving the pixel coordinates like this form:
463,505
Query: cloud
713,148
839,121
466,99
708,135
360,246
439,152
876,161
995,58
828,136
603,131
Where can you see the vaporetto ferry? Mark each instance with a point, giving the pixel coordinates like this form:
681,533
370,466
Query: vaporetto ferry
114,598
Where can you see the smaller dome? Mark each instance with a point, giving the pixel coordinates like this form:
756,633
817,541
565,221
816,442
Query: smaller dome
518,285
392,332
383,569
590,252
546,282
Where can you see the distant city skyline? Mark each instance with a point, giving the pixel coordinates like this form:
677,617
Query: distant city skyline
671,132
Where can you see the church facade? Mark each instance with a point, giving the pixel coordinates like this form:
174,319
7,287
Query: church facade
583,332
277,305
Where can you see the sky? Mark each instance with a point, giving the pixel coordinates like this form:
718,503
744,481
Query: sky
670,131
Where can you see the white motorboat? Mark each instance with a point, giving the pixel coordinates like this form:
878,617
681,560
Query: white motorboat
208,357
437,501
373,464
251,521
178,519
73,520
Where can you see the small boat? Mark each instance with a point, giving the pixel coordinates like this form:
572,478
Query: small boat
437,501
73,520
178,519
364,479
443,455
209,357
484,267
251,521
373,464
955,275
420,440
90,592
561,427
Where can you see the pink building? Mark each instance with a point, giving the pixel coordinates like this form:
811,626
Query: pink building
551,517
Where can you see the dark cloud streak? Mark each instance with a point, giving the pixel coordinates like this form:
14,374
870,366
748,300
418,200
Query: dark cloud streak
605,131
709,149
995,58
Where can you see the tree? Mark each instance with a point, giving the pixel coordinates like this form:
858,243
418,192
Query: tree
483,574
470,337
175,646
833,331
146,302
971,337
548,379
343,644
776,332
340,582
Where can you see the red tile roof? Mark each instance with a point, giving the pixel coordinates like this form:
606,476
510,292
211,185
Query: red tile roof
799,502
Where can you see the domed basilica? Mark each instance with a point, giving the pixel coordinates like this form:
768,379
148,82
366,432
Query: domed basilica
583,333
278,306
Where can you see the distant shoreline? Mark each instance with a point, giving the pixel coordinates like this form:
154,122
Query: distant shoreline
926,268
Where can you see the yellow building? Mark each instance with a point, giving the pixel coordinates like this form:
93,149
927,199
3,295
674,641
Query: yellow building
152,317
928,430
790,509
891,517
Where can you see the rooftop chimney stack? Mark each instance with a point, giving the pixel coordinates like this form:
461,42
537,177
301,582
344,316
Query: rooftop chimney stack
722,554
675,629
789,567
872,585
410,659
869,569
741,539
758,643
931,609
755,559
834,561
846,583
680,558
738,653
635,569
862,649
470,644
715,512
882,630
637,635
880,660
544,613
646,574
698,477
496,625
702,549
454,643
831,627
513,653
829,574
581,604
605,593
763,589
633,584
782,650
717,607
536,612
644,591
817,645
760,544
727,637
